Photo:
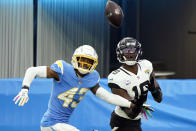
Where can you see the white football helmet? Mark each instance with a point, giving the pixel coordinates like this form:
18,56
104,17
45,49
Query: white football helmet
85,59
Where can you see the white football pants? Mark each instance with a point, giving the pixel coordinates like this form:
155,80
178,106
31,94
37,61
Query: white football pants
60,127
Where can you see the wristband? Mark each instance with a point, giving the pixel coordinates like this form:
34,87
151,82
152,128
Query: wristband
25,87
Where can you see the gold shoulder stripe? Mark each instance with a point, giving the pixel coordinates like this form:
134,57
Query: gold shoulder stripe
60,64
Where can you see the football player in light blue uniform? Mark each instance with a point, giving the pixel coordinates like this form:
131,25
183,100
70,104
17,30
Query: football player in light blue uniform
67,93
70,85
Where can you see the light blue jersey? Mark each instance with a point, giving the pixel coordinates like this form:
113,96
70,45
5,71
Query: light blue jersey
66,93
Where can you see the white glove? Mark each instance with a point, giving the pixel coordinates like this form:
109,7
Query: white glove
22,97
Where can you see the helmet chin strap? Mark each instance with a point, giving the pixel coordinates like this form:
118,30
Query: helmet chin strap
130,63
82,72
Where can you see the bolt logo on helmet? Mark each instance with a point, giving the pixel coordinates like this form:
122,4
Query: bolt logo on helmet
85,59
128,51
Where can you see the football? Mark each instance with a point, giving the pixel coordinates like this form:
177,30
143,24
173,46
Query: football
114,14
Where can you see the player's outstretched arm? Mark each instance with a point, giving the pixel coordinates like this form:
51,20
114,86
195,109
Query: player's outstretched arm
155,89
136,105
109,97
30,74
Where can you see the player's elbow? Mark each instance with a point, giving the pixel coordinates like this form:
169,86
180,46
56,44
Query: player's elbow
30,70
39,71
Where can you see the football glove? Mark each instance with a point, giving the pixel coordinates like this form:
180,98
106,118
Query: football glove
151,86
146,111
22,97
148,107
139,102
155,91
137,106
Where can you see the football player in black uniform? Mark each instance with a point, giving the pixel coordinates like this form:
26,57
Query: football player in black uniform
132,81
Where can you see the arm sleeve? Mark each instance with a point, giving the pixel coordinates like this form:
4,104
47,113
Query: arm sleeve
112,98
32,72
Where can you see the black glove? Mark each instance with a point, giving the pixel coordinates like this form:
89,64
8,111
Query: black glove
137,106
134,111
151,86
139,102
155,91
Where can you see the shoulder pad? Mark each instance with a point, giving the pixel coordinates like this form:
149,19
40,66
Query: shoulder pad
96,76
58,66
116,77
146,65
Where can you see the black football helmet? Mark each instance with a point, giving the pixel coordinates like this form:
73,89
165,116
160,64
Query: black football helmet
128,51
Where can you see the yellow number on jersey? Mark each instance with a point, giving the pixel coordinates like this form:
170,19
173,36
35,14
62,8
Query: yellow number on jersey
68,96
82,91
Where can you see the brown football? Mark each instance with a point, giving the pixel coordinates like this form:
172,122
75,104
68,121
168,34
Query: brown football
114,14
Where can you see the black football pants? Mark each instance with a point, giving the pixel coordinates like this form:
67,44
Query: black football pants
123,124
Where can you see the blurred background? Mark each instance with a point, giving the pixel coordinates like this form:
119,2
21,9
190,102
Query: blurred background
39,32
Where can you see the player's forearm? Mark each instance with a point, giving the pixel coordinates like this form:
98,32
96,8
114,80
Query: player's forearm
132,112
155,90
136,107
32,72
157,94
112,98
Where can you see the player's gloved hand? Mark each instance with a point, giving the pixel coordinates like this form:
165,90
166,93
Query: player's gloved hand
151,86
135,110
147,107
139,102
155,91
22,97
136,107
146,111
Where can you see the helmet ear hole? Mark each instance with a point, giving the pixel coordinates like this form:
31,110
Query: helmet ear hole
77,58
